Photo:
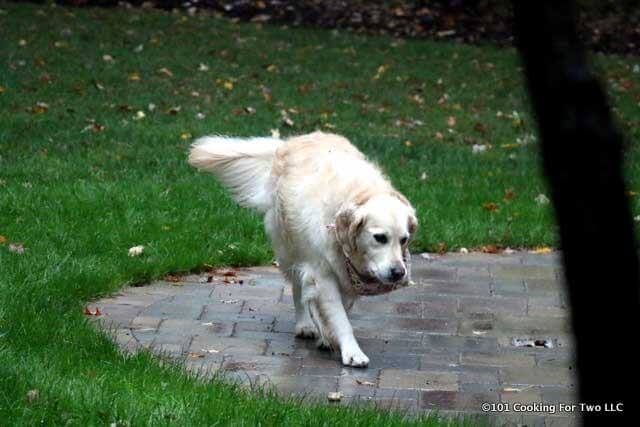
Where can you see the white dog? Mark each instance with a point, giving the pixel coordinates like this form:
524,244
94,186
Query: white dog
337,226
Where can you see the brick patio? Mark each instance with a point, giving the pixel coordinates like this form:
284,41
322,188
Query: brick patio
474,328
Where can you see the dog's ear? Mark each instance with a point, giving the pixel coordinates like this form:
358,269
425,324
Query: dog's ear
349,223
413,221
413,224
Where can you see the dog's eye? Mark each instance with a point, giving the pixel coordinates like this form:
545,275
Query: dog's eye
404,240
380,238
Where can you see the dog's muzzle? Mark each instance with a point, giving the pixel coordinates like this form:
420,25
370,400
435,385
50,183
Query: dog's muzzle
367,285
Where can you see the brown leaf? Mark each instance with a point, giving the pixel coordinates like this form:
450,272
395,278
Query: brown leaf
491,207
509,195
480,128
305,88
490,249
171,278
3,239
193,355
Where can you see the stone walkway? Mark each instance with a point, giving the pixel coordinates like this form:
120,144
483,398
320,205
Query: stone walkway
474,329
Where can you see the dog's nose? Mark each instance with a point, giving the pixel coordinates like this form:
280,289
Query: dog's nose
396,273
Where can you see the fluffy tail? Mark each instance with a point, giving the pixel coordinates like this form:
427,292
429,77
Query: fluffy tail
242,165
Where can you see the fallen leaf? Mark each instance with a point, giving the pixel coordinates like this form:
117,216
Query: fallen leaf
541,199
41,107
491,207
107,58
287,121
171,278
167,72
193,355
541,250
442,248
305,88
17,248
451,121
134,77
478,148
88,312
380,71
508,195
136,250
3,239
266,94
490,249
139,115
33,395
335,396
480,128
417,99
174,110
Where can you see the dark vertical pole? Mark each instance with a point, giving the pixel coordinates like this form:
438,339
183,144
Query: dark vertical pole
582,157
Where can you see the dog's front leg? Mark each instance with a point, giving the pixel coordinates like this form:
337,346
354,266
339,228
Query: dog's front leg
330,317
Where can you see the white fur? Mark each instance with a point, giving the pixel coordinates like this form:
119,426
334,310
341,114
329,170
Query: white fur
305,185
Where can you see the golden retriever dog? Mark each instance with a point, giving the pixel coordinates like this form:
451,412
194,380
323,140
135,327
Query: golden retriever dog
337,226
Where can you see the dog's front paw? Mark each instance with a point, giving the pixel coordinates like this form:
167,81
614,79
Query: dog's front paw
354,358
306,330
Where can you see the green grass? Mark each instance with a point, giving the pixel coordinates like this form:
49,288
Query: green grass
79,196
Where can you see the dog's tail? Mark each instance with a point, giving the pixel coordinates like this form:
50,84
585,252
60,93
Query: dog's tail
242,165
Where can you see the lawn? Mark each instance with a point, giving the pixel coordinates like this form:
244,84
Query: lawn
97,110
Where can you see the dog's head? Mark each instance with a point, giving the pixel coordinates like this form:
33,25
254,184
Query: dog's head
375,236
